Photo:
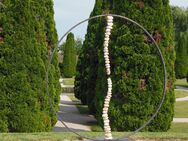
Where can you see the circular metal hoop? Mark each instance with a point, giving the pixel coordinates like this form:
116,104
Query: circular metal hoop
161,58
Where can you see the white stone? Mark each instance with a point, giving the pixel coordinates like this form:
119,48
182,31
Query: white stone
108,137
109,95
108,129
105,112
108,71
108,67
106,42
105,51
107,62
109,86
108,99
110,17
106,38
106,56
106,105
108,34
105,109
108,30
109,89
109,83
109,79
107,126
109,27
106,121
108,59
104,118
110,24
105,48
109,21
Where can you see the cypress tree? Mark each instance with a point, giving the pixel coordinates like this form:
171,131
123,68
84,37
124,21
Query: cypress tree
85,80
181,27
25,105
136,67
69,60
181,64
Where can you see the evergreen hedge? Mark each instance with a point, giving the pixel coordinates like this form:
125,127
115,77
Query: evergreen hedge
27,33
69,60
136,67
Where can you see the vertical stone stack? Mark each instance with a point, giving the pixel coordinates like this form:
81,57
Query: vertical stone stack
107,129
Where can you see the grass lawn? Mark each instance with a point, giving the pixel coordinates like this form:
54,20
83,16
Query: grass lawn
177,133
179,128
181,109
181,82
180,94
68,81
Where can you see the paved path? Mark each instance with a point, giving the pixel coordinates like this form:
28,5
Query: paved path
180,120
182,99
182,88
69,113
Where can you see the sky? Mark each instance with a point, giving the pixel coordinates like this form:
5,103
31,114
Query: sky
70,12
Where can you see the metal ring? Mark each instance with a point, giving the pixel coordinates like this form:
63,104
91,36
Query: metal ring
160,55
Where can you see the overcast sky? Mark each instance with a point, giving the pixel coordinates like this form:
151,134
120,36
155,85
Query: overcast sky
70,12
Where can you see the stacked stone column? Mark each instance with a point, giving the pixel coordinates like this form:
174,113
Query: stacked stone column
107,129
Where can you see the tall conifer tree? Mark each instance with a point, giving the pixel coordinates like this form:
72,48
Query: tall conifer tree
136,67
181,64
26,34
69,60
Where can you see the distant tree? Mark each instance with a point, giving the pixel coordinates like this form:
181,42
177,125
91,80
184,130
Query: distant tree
181,64
180,18
79,44
69,60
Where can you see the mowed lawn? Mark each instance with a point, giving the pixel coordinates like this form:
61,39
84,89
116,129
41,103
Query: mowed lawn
181,82
180,94
178,132
181,109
